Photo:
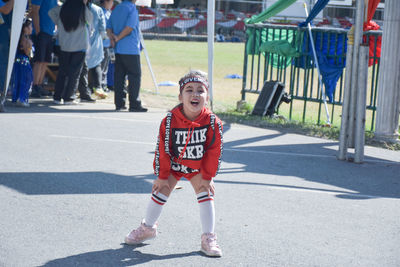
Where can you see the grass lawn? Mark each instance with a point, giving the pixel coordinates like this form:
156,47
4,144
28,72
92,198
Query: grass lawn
170,60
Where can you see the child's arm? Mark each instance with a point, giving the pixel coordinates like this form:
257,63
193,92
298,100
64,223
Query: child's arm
212,157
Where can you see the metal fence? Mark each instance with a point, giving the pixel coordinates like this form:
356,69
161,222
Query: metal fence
298,74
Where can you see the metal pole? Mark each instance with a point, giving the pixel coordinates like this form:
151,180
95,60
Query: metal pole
210,41
358,31
359,136
388,106
344,127
148,61
328,121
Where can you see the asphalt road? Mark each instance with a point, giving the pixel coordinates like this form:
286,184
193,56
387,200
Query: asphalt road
74,180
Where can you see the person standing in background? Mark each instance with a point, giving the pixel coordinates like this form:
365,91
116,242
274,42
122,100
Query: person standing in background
106,6
90,78
123,31
73,20
21,79
43,40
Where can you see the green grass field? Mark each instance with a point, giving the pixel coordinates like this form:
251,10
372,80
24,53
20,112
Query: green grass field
170,60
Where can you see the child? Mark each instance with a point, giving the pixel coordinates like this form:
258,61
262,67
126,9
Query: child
189,145
22,78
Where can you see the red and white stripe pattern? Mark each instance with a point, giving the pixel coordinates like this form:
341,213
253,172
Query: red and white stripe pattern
158,199
204,196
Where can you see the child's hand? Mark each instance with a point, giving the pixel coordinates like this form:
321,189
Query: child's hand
208,185
159,184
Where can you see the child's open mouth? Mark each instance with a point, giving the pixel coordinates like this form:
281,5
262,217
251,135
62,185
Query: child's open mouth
194,103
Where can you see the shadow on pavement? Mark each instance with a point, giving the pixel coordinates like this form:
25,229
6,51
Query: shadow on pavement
49,183
47,106
313,162
125,256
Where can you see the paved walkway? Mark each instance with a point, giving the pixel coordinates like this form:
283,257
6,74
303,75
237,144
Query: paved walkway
75,179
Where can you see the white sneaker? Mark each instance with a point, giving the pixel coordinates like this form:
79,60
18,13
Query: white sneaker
209,245
22,104
141,234
73,102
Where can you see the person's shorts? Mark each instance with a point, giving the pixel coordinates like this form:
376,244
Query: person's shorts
179,175
43,47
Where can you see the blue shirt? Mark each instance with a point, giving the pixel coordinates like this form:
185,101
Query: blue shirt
126,14
98,29
107,14
46,24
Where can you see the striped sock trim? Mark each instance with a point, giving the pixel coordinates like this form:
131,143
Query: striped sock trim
204,196
160,199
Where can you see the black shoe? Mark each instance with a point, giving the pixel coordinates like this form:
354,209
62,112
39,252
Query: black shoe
35,92
88,99
120,108
44,92
139,109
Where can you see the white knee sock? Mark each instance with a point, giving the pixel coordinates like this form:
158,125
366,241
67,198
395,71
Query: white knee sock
207,212
154,208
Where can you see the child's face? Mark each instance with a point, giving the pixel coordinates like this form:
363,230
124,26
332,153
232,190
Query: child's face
194,97
108,4
28,29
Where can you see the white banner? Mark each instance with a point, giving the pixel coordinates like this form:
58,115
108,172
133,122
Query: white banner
227,24
164,2
143,3
184,24
148,24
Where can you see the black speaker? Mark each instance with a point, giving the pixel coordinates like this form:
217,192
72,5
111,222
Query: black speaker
269,99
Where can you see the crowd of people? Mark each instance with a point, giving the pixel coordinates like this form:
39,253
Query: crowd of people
86,37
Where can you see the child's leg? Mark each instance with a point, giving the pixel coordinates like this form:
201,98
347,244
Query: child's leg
157,202
206,204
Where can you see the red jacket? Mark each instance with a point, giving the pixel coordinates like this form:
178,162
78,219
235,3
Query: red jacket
189,146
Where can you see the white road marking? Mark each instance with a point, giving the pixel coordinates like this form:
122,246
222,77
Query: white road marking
98,118
102,139
240,150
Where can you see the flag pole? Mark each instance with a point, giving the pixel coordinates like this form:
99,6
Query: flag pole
328,121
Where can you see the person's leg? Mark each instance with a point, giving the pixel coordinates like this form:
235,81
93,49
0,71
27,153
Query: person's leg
63,62
134,77
206,204
110,76
25,82
41,58
75,67
104,68
205,199
119,82
95,81
157,202
148,227
83,82
49,47
95,77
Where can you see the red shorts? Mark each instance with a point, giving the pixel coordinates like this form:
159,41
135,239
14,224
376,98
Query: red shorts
179,175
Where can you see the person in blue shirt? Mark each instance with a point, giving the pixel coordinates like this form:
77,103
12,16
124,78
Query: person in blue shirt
5,25
106,6
123,31
43,40
90,78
